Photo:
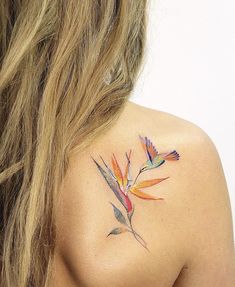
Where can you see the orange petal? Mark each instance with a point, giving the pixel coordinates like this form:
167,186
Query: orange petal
149,182
116,169
143,195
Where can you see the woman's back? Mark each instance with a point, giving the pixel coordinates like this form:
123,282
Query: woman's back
187,235
65,86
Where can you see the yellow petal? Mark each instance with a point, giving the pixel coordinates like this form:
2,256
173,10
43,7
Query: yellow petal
150,182
143,195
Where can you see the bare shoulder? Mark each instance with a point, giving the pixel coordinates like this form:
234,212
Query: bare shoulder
204,205
147,203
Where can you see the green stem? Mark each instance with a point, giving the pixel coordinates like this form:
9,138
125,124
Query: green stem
136,234
136,177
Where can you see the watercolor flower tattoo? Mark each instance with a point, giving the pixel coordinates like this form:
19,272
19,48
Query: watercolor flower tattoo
122,185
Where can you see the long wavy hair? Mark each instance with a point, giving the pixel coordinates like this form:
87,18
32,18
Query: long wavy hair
67,69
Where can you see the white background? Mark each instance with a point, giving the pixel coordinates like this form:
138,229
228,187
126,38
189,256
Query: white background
189,70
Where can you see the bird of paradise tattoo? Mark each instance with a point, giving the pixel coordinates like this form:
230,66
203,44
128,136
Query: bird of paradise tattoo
123,185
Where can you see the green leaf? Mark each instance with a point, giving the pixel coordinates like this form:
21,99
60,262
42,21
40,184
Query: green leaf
118,214
118,230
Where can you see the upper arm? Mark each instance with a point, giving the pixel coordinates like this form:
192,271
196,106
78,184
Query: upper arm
210,256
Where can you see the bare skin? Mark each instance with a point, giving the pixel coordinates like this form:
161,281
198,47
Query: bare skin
189,234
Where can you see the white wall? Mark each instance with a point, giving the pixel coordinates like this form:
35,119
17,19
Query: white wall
190,70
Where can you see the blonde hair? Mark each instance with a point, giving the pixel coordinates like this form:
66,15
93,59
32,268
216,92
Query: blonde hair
67,70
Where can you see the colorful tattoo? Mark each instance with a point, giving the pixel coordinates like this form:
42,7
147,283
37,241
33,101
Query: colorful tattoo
122,185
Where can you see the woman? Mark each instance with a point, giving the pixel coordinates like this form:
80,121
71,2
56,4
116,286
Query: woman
96,190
